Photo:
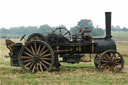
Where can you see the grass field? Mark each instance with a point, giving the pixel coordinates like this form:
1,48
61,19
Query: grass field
120,36
9,35
68,74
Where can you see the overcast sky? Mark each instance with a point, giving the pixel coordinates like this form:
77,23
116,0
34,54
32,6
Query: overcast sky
14,13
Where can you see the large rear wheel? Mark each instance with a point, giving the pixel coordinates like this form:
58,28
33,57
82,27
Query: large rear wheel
36,56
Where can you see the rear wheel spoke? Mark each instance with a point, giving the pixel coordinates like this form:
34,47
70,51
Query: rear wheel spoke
37,67
33,70
47,63
41,68
44,52
31,65
42,49
26,57
28,54
32,50
46,58
38,49
43,65
28,64
35,47
46,55
27,60
29,50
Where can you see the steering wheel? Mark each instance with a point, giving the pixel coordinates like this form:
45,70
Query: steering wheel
22,37
62,31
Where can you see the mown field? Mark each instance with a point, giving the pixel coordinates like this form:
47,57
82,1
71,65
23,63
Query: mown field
121,36
68,74
9,35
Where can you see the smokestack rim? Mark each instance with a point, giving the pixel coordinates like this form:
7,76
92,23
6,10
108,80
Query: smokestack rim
108,12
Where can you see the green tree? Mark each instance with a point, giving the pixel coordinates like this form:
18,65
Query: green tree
84,22
74,30
97,32
124,29
45,29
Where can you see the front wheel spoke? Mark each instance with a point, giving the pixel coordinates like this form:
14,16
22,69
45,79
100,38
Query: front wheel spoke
111,55
108,57
117,63
28,54
105,58
43,65
106,67
117,60
114,55
110,68
104,61
117,68
28,50
104,64
46,55
44,52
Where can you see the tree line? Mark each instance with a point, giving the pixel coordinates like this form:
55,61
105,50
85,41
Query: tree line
117,28
46,29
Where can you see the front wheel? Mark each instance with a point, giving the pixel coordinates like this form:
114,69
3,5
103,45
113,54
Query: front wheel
36,56
112,61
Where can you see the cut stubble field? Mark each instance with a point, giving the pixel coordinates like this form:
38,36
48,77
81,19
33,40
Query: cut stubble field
67,74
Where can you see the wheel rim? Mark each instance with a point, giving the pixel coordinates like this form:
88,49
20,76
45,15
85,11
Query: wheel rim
36,36
111,61
97,60
36,56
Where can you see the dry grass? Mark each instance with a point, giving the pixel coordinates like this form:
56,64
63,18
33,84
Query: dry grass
68,74
122,47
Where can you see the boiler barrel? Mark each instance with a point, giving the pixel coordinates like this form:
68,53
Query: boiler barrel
103,45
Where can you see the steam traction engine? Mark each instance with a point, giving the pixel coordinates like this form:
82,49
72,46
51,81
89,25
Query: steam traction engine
41,53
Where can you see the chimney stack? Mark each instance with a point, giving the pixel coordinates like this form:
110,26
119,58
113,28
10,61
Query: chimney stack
108,25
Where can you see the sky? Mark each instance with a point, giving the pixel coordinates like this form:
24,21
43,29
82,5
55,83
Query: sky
15,13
